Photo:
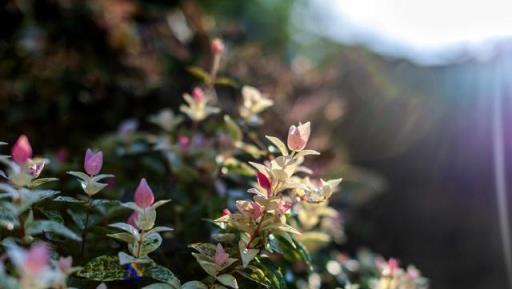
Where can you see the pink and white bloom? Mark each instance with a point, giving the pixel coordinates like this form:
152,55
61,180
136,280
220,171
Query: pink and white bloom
298,136
22,150
144,197
33,265
389,267
37,259
221,257
198,94
413,273
93,162
65,264
283,206
393,265
217,46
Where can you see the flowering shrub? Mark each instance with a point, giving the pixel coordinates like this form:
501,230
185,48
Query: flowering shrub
266,239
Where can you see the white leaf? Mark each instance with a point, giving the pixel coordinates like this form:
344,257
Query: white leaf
279,144
228,280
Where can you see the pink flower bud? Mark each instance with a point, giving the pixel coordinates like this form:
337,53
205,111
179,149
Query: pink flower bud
21,151
144,197
198,94
183,142
283,206
220,255
298,136
132,218
264,182
217,46
226,212
93,162
65,264
392,265
37,259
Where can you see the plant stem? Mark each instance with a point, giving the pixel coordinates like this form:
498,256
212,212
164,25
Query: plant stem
86,225
257,230
140,243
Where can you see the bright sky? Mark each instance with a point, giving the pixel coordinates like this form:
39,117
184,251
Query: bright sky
424,26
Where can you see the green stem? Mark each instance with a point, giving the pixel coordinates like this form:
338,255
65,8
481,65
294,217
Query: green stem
257,230
140,243
86,225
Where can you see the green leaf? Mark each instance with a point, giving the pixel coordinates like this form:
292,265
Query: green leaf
293,250
247,254
128,228
225,81
162,274
194,285
207,264
32,197
107,207
234,131
304,153
125,237
279,144
253,150
78,217
273,272
256,275
304,254
160,203
283,228
8,215
199,73
68,199
38,182
127,259
103,268
151,243
45,226
79,175
204,248
160,229
52,215
228,280
101,177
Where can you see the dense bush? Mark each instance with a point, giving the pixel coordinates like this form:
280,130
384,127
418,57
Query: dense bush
282,234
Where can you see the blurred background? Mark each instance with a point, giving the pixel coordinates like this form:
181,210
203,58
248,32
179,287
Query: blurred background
411,97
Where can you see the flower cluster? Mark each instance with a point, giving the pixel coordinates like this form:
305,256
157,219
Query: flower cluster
197,107
35,269
391,276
